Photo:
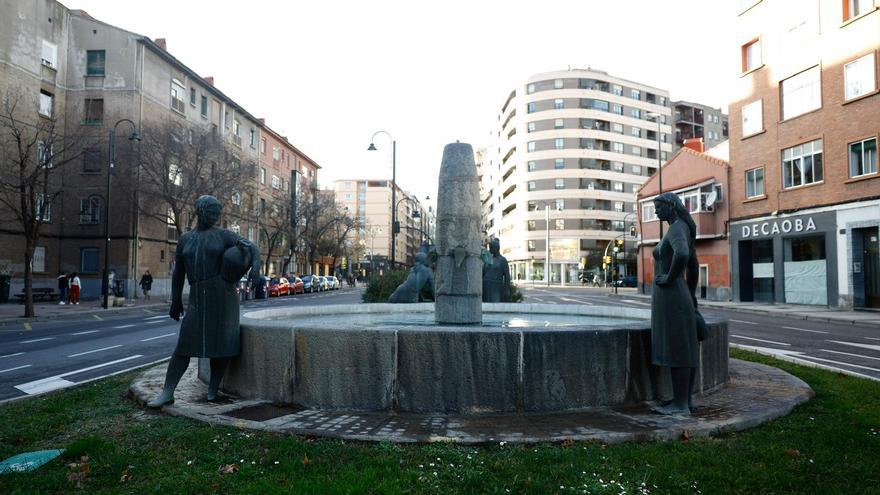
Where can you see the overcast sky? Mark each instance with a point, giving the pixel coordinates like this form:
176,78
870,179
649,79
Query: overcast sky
328,74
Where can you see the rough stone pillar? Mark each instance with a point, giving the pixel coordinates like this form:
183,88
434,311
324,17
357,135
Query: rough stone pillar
458,277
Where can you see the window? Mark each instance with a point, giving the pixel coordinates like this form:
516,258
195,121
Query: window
276,182
530,146
636,113
235,228
635,94
531,166
559,163
88,260
558,104
691,201
192,97
618,109
755,182
802,164
557,84
648,213
94,110
801,93
531,126
177,92
636,169
263,145
559,143
558,124
560,224
96,61
46,99
531,185
855,8
530,88
617,166
41,205
227,121
253,138
175,175
531,225
751,55
617,186
637,150
617,147
863,157
618,206
637,132
560,183
530,108
859,77
91,161
617,89
236,198
262,175
531,245
49,54
560,204
170,225
90,210
618,128
38,262
599,105
276,153
204,107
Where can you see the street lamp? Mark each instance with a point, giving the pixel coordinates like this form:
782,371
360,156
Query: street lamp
372,147
656,117
416,214
112,162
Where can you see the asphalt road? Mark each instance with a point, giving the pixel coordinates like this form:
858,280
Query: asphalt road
60,353
855,349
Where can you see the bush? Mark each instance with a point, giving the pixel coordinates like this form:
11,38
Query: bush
381,286
515,295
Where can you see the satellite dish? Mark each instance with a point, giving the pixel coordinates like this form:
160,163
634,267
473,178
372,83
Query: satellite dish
711,198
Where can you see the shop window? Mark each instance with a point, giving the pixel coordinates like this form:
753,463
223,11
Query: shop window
805,270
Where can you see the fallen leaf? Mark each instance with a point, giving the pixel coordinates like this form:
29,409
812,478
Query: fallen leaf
125,476
228,469
685,436
306,461
567,443
793,453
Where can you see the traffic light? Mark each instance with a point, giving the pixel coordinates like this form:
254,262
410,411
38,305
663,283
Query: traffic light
606,260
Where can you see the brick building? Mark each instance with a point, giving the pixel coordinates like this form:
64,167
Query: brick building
804,191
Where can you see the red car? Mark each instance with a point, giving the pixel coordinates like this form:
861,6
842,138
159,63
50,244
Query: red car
296,285
278,287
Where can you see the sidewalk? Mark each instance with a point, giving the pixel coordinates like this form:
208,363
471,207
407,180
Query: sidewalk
12,312
797,311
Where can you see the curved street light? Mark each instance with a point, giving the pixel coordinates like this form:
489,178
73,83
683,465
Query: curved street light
373,147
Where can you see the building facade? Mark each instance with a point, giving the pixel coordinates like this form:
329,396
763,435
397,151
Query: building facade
697,121
804,124
94,77
569,152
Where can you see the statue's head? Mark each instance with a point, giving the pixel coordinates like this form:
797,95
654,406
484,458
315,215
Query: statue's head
494,246
669,206
421,258
208,210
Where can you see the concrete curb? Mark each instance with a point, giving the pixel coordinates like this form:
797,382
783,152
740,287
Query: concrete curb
755,394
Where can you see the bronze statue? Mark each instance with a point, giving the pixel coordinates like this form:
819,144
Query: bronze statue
496,274
212,260
420,276
674,341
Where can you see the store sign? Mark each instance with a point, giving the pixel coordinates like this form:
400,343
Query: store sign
775,227
564,250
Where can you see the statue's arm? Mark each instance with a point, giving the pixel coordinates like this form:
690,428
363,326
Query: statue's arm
692,275
177,278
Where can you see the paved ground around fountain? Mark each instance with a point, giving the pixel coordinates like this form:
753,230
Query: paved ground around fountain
755,394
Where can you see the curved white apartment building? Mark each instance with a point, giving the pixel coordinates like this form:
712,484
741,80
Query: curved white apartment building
580,142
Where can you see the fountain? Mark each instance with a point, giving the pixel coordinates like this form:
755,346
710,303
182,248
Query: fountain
457,356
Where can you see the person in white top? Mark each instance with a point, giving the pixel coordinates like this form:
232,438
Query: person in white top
75,284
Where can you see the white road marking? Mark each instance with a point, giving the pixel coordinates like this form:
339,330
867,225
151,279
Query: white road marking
854,344
125,326
95,350
641,303
804,330
11,355
16,368
801,358
579,301
759,340
36,340
746,322
156,317
851,354
86,332
841,363
537,299
152,322
159,337
872,338
57,381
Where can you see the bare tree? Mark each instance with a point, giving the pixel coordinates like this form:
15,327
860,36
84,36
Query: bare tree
275,228
322,222
33,151
179,164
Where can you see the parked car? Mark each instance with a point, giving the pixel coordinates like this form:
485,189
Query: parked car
296,285
332,282
628,281
278,287
321,282
309,284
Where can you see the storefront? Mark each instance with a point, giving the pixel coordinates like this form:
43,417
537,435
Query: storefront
786,259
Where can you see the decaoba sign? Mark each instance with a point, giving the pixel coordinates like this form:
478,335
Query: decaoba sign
778,226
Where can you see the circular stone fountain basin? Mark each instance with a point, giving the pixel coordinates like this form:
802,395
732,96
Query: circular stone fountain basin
392,357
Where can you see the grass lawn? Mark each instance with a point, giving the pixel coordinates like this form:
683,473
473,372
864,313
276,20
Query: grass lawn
829,445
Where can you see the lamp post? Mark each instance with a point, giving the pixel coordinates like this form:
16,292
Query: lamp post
656,117
416,214
394,226
112,162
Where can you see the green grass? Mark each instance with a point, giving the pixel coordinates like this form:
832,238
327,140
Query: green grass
829,445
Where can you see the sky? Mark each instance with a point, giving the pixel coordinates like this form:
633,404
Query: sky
328,74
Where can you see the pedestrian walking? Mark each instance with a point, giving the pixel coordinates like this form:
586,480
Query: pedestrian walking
146,284
75,285
62,288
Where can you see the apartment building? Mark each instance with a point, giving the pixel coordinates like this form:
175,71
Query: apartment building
369,201
805,191
558,182
698,121
95,77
